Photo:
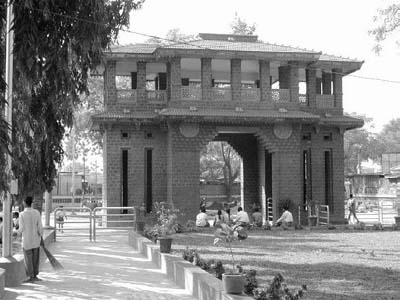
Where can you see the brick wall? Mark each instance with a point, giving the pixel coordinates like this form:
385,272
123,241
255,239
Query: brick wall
135,144
318,146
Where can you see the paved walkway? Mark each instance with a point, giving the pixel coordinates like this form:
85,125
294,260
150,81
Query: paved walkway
106,269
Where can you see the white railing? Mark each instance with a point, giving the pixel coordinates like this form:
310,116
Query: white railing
191,93
250,94
126,95
325,101
281,95
156,95
222,94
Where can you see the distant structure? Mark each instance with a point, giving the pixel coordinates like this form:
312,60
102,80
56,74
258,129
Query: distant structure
279,107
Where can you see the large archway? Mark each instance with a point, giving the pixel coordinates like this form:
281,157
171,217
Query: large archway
256,179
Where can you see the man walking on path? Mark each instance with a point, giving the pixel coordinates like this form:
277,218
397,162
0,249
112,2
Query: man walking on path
30,226
351,205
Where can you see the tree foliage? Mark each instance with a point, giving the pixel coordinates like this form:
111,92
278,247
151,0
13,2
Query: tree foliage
240,26
360,144
219,160
56,45
173,35
387,23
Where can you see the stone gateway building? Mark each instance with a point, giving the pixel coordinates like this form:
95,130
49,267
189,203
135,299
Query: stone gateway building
279,107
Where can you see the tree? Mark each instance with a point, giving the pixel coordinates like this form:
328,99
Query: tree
360,144
219,160
240,26
387,23
56,45
390,136
172,36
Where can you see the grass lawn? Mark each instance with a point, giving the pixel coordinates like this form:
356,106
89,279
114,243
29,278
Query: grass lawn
334,264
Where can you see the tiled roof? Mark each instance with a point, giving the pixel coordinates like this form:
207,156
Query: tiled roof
237,46
125,115
347,121
221,42
245,113
206,113
329,57
134,48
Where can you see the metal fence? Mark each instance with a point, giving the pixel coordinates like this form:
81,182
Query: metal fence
86,221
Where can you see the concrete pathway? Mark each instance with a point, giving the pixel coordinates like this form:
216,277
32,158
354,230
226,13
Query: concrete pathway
106,269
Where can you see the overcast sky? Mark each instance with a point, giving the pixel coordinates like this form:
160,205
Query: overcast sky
338,27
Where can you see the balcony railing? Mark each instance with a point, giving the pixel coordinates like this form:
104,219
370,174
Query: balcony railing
221,94
303,99
250,94
159,95
282,95
126,95
325,101
191,93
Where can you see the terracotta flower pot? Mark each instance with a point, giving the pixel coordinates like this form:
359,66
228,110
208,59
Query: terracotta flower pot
165,244
140,226
233,283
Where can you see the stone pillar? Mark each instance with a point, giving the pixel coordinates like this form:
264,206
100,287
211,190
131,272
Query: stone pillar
168,81
110,85
261,181
294,82
318,82
206,79
175,78
265,84
337,87
311,81
236,79
326,83
141,81
283,77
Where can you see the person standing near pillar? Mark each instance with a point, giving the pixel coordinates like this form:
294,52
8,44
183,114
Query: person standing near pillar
31,228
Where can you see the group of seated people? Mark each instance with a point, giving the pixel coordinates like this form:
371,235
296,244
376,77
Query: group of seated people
242,218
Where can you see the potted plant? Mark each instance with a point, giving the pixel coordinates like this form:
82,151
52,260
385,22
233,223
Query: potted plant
233,281
167,224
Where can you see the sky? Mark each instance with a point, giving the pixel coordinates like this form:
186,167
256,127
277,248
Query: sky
338,27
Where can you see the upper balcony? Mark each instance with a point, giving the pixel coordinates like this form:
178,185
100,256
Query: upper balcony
218,71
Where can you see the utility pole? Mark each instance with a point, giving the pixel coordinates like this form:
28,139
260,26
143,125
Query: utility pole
7,245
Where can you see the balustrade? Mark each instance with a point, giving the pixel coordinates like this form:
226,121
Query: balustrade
281,95
191,93
156,95
221,94
126,95
250,94
303,99
325,101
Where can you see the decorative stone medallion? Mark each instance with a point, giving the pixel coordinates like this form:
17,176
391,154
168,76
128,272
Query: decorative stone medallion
283,131
189,130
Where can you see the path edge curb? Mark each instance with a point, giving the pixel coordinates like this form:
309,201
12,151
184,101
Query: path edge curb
194,280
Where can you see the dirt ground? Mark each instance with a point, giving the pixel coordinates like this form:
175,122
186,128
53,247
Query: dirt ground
334,264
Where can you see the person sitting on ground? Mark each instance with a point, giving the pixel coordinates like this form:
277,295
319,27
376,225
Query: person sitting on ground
16,220
201,218
257,217
221,218
286,220
242,218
